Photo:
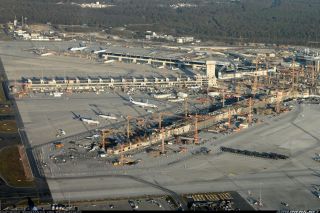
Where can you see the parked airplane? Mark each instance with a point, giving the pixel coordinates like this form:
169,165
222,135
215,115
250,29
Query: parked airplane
47,54
101,115
108,117
194,87
73,49
176,100
86,120
142,104
90,121
35,49
80,48
108,61
100,51
43,52
93,136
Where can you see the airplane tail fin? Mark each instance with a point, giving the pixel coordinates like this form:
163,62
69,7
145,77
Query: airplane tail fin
75,116
130,99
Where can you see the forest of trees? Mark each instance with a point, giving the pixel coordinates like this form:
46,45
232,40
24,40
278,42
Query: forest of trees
269,21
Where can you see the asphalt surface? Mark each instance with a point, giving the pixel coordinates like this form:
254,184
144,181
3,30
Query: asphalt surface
221,171
15,193
294,134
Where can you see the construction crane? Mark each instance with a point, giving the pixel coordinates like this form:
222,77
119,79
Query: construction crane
267,69
121,155
161,114
293,76
313,76
195,117
186,107
279,99
162,141
250,111
105,133
196,134
223,98
196,131
298,77
255,81
237,92
222,89
140,124
229,118
128,130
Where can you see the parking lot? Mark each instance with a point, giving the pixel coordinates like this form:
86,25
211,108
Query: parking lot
217,201
140,204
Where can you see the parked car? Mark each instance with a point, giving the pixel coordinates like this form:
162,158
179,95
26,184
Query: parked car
132,204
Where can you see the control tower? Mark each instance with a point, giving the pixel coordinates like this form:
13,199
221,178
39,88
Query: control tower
211,73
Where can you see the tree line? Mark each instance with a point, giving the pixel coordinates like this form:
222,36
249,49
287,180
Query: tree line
268,21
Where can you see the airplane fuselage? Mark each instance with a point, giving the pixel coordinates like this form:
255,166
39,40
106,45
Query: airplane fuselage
89,121
46,54
176,100
143,104
77,48
99,51
108,117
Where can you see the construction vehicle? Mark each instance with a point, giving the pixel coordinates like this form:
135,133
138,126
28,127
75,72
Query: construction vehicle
58,145
126,161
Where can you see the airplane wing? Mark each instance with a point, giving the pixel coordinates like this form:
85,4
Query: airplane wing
96,112
75,115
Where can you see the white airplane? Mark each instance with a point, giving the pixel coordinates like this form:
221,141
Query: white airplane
90,121
162,96
93,136
35,49
176,100
142,104
108,117
108,61
194,87
86,120
47,54
77,48
99,51
43,52
94,148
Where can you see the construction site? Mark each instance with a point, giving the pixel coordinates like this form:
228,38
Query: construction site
171,116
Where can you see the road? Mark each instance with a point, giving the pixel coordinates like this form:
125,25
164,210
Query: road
289,181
